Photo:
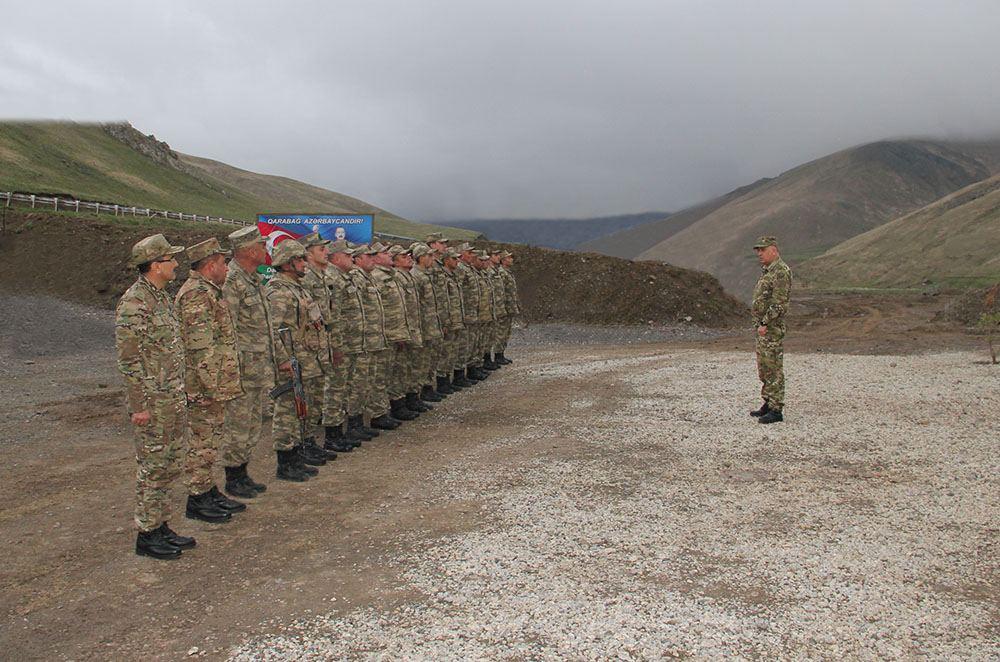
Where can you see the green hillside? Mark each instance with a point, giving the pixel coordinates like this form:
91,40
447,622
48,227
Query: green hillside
951,242
116,163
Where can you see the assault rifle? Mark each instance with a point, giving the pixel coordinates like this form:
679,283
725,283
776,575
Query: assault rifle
294,384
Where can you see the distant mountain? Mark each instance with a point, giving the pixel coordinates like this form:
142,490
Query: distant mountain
816,206
954,241
561,233
118,164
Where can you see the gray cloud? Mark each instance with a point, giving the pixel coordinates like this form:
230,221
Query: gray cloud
462,109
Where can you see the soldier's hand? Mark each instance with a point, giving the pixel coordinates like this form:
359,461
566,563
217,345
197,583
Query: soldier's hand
761,331
141,418
286,367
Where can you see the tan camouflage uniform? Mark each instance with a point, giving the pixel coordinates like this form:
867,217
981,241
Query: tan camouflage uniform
397,329
512,305
318,284
430,327
212,374
457,331
410,360
770,303
151,359
371,398
244,295
470,285
349,340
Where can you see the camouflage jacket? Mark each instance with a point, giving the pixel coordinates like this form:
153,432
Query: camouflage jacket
292,306
470,285
439,281
430,309
211,359
393,305
348,301
512,301
456,304
770,296
244,296
150,351
499,298
485,303
318,284
373,315
411,301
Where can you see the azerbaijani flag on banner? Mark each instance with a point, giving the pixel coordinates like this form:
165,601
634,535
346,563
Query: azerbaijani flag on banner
276,228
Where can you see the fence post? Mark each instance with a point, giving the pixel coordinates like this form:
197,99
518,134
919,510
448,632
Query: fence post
55,203
78,204
32,200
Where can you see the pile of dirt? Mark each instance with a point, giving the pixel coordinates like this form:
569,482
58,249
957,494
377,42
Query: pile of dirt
968,307
83,260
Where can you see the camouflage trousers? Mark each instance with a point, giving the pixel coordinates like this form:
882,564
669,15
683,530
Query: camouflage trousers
285,429
206,425
158,449
433,358
503,334
244,421
359,367
377,399
335,393
400,376
457,343
770,367
474,357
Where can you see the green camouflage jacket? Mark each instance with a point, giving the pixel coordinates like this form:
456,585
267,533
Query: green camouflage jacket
770,296
397,326
471,284
512,301
292,306
348,302
411,301
244,297
456,304
430,308
373,314
484,305
318,284
150,351
212,361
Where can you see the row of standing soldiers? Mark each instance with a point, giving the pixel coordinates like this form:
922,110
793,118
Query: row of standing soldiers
378,333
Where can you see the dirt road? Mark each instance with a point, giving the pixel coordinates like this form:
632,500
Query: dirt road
590,500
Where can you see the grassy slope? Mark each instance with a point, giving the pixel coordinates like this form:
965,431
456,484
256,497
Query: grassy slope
822,203
85,161
952,241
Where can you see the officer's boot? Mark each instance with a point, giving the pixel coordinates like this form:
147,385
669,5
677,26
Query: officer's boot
370,431
428,394
154,544
250,482
503,360
302,465
225,503
414,403
288,468
356,429
480,373
488,363
347,435
307,451
385,422
473,375
335,441
236,486
443,387
175,539
757,413
458,380
203,506
400,412
772,416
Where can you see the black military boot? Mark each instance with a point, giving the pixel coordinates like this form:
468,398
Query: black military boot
443,387
224,502
459,381
203,506
502,360
479,373
414,403
428,394
307,452
302,465
772,416
473,375
236,486
385,422
488,363
175,539
154,544
288,468
356,431
335,441
757,413
370,431
399,411
250,482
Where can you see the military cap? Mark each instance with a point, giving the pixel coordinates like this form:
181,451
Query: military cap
451,252
244,237
379,247
152,248
313,239
419,249
395,250
340,246
506,254
205,249
357,250
764,242
285,251
436,236
466,246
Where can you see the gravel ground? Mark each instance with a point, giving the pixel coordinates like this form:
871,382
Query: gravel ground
653,518
36,326
581,334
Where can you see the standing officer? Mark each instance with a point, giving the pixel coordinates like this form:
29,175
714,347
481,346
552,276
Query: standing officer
770,303
211,376
458,333
430,320
398,330
512,304
373,399
151,360
293,308
471,286
413,360
244,296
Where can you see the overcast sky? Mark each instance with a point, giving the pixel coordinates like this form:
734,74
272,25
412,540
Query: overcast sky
459,109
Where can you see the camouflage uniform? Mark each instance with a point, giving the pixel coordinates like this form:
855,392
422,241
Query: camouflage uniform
770,302
212,372
151,360
498,308
430,326
291,306
512,304
397,330
370,398
349,341
457,332
485,312
318,284
470,285
411,360
244,295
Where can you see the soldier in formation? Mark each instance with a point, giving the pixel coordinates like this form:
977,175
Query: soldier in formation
378,333
770,303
